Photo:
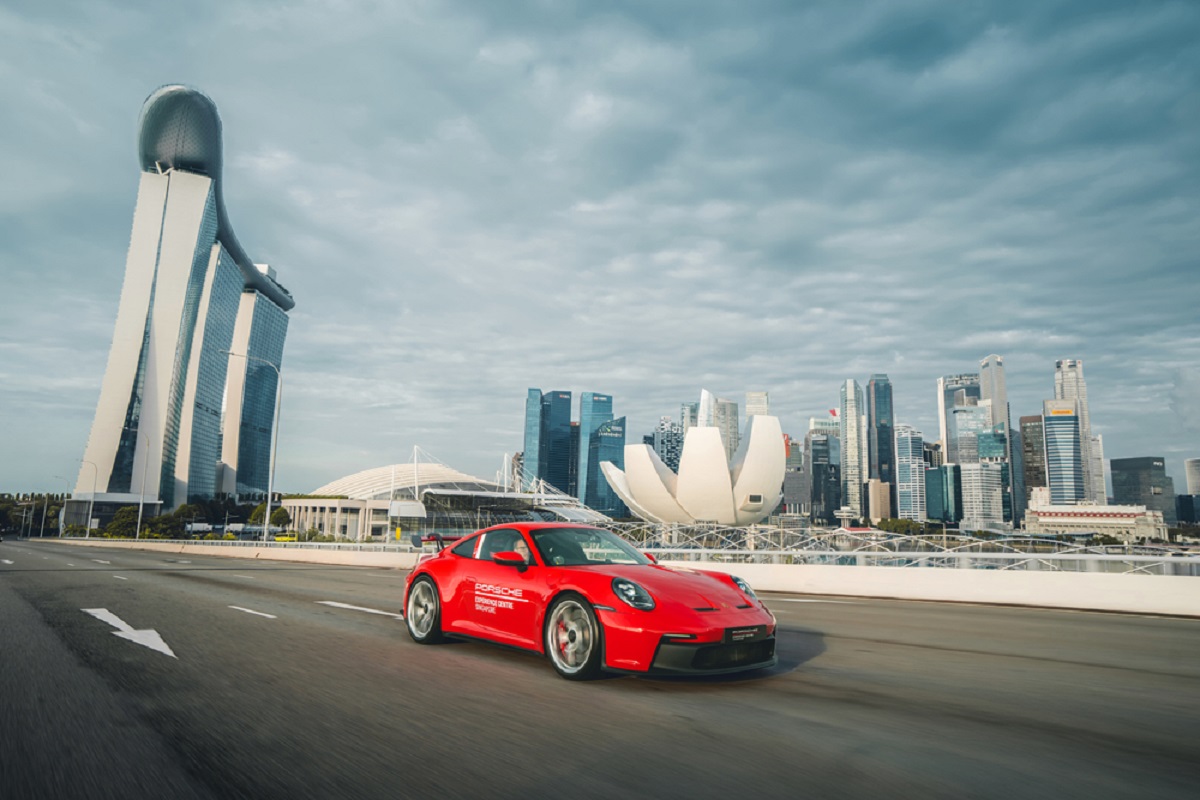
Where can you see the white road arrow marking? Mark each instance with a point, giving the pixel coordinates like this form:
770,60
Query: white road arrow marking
336,604
251,611
146,638
98,561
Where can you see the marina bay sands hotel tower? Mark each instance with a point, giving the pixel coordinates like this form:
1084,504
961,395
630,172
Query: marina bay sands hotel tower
179,417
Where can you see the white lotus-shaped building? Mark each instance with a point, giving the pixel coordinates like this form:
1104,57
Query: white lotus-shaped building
707,488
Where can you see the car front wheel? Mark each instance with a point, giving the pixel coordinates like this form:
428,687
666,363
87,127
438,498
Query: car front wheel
423,612
573,638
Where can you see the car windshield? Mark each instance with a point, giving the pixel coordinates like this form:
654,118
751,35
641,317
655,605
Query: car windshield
577,547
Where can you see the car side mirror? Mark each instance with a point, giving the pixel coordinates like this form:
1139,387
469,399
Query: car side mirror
509,558
650,556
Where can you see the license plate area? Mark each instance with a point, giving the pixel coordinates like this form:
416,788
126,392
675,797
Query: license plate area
747,633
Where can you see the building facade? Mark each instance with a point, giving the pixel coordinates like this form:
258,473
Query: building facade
948,394
881,422
1069,384
910,473
594,410
1063,452
853,435
1144,482
172,390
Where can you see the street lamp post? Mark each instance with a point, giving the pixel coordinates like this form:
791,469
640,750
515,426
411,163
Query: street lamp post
92,500
274,436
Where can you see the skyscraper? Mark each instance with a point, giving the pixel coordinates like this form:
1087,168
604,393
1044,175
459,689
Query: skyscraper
668,442
1070,385
1191,471
757,404
1033,455
994,389
531,458
1144,482
605,443
594,410
880,424
910,473
1064,458
948,386
854,447
190,295
550,455
966,422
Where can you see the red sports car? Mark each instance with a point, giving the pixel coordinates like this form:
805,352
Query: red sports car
588,600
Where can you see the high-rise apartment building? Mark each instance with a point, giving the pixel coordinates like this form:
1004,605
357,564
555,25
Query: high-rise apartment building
1069,384
948,386
1144,482
853,435
191,295
1063,452
881,421
910,473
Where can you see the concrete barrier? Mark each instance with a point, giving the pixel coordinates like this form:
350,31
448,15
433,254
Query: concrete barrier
1134,593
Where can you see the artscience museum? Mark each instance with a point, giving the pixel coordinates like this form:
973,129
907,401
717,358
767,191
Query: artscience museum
708,487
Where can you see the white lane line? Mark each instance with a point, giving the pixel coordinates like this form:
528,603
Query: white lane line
5,560
70,565
336,604
251,611
118,577
247,577
98,561
794,600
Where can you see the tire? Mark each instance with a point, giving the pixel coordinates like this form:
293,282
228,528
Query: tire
423,612
574,639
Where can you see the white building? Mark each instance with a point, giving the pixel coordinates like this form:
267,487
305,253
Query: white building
910,473
1129,523
982,497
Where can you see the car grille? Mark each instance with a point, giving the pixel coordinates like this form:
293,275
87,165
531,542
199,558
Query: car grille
731,655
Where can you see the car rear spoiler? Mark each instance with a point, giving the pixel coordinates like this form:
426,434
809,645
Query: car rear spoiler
420,541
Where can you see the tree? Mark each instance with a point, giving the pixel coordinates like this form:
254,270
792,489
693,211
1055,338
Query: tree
123,524
280,518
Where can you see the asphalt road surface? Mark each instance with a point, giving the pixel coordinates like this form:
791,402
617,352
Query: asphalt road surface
271,692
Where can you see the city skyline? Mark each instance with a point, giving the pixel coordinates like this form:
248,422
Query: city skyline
752,199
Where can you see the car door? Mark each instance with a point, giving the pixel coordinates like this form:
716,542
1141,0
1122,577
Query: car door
507,601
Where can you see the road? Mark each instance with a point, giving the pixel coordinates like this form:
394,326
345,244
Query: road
271,692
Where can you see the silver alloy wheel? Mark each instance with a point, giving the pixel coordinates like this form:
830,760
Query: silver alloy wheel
422,609
570,636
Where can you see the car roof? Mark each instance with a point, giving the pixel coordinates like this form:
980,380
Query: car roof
536,526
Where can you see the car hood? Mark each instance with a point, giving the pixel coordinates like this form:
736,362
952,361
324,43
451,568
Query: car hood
696,590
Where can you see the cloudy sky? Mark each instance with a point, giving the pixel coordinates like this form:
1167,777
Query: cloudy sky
637,198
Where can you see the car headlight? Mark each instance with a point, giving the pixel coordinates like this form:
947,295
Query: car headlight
745,587
632,594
